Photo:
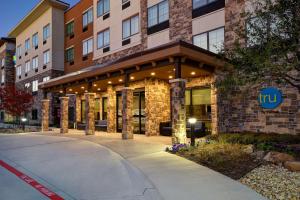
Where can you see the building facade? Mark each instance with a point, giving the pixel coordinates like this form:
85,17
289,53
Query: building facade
7,53
39,50
145,67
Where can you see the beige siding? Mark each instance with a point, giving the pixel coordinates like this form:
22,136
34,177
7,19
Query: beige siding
114,22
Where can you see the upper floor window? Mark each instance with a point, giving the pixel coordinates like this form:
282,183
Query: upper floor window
27,66
27,44
19,50
158,13
35,40
87,46
70,28
70,54
130,27
2,62
35,86
2,77
87,17
19,70
46,32
46,78
103,7
212,40
27,85
35,62
103,39
46,57
200,3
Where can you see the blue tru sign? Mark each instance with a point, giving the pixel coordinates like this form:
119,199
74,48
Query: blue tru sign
270,98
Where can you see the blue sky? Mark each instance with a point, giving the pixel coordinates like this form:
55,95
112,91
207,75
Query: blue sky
12,11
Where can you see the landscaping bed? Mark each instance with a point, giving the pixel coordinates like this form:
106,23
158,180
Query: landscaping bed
266,163
18,130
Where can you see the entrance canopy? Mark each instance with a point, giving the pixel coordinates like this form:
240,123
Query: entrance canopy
174,60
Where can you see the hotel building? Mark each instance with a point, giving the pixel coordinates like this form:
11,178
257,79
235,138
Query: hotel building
39,50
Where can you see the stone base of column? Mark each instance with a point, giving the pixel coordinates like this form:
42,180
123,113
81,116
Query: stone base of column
178,111
127,118
45,114
64,115
90,113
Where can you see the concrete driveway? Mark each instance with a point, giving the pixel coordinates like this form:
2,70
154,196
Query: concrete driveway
106,168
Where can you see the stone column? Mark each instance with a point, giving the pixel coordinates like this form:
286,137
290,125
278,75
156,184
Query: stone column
64,115
178,111
127,118
45,114
90,113
111,110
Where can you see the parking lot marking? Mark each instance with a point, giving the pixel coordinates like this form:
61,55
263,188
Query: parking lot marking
30,181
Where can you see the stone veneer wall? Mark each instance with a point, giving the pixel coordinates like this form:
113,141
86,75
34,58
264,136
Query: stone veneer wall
111,110
9,68
157,100
181,20
241,112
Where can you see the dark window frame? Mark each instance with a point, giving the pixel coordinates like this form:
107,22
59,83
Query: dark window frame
157,9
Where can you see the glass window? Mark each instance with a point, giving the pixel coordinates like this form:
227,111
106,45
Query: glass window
70,28
97,109
103,39
19,51
216,40
158,13
27,44
83,111
201,41
130,27
46,32
70,54
27,66
87,17
35,62
104,108
212,40
34,114
2,62
87,46
19,70
2,77
35,40
35,85
46,78
46,57
200,3
103,7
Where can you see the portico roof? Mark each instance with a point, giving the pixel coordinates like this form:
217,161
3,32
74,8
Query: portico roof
152,58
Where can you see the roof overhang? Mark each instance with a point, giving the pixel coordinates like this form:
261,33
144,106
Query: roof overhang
197,56
36,12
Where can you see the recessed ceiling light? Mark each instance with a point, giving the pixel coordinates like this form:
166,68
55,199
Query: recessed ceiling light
99,89
132,77
61,91
70,89
86,91
152,73
76,92
120,80
193,73
82,87
95,85
170,77
109,82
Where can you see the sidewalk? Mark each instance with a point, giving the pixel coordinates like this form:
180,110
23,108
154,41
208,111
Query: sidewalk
175,178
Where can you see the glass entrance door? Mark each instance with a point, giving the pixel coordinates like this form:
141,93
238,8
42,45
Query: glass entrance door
139,112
